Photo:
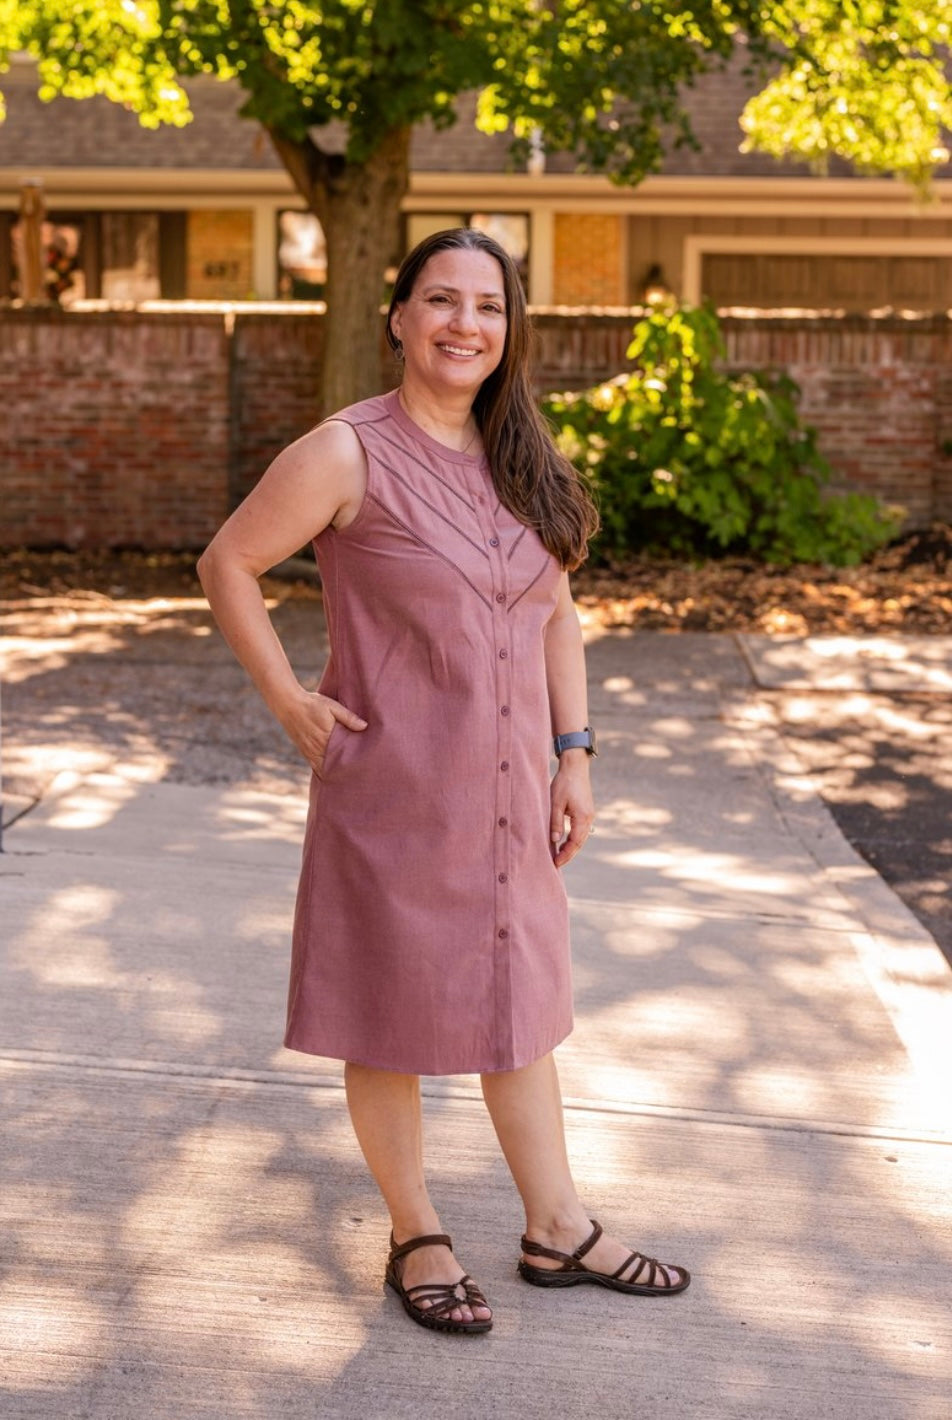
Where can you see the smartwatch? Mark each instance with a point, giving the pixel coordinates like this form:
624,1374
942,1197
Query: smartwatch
577,739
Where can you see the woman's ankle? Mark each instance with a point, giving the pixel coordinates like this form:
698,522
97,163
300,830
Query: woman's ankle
557,1226
407,1225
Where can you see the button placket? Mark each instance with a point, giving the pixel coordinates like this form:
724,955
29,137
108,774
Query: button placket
502,830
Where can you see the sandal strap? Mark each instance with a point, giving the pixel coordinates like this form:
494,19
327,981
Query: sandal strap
657,1276
570,1262
433,1289
658,1272
429,1240
473,1293
590,1241
443,1297
643,1262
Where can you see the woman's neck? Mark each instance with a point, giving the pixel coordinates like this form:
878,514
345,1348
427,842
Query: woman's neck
450,421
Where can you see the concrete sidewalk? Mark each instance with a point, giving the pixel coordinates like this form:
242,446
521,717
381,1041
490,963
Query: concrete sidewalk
759,1087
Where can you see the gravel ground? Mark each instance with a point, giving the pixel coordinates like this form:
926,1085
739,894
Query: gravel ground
116,658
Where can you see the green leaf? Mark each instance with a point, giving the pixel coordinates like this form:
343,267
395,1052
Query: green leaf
712,463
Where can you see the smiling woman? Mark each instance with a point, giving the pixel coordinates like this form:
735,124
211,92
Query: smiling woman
532,479
431,926
451,332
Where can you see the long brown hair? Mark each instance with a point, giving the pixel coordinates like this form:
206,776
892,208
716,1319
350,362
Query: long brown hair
533,479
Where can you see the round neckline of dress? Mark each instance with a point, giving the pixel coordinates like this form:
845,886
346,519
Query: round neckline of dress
411,427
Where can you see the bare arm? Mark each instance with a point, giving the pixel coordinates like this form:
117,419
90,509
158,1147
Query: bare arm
314,482
568,702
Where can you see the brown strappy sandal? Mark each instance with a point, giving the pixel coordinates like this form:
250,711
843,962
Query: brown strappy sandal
573,1270
444,1297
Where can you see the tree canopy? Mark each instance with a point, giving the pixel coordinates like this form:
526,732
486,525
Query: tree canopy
864,79
339,84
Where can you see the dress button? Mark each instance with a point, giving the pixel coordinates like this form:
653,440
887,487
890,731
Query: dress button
503,877
505,765
504,710
500,596
503,822
503,655
503,933
494,542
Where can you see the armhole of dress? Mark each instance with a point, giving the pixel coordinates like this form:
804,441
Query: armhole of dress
362,511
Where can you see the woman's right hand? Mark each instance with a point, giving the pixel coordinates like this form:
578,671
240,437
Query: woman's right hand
308,720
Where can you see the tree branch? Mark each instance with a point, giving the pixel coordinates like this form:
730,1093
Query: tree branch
309,168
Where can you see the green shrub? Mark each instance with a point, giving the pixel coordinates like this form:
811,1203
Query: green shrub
687,459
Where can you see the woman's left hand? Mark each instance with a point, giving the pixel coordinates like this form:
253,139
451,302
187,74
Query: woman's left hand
571,795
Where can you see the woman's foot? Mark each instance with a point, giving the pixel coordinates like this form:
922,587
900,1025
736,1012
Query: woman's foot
584,1249
435,1265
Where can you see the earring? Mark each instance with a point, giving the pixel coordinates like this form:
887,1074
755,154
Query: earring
398,350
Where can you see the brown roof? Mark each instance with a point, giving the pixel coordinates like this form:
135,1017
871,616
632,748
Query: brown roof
97,133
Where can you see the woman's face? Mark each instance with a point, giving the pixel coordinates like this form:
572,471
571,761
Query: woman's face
453,325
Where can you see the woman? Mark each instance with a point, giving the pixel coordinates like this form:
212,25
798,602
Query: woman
430,930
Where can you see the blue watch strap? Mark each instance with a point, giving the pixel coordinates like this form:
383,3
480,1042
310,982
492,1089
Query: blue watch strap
576,739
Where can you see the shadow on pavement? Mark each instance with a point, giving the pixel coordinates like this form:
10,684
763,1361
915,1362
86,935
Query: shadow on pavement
188,1229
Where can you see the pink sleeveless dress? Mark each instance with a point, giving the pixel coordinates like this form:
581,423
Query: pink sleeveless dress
431,924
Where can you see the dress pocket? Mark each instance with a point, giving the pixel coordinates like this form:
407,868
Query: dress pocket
336,748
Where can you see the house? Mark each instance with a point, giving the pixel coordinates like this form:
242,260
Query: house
208,212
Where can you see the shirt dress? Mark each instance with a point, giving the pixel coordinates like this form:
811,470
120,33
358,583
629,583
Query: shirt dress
431,925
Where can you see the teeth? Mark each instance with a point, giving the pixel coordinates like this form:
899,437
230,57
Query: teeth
458,350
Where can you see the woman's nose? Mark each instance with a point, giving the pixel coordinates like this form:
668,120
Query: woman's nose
464,316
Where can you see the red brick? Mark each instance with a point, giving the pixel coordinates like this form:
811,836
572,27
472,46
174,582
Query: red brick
121,428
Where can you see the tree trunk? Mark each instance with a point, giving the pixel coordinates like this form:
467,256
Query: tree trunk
360,213
358,206
359,209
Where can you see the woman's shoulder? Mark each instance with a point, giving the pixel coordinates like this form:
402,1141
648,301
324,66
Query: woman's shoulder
375,410
341,430
330,456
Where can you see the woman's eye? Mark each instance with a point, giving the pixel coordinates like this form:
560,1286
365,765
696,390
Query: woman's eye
493,309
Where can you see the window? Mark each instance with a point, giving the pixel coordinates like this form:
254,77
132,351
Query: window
302,257
509,229
129,256
302,249
121,256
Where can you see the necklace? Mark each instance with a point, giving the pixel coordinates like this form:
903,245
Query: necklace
466,447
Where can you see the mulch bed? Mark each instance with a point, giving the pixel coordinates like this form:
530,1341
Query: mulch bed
906,587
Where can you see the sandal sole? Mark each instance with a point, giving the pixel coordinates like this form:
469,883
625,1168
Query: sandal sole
552,1277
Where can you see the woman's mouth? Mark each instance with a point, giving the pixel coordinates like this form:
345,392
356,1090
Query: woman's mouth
458,350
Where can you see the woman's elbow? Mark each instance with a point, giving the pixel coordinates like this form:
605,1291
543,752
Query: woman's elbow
223,563
203,565
208,563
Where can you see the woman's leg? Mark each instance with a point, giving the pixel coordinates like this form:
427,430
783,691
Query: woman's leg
387,1119
526,1110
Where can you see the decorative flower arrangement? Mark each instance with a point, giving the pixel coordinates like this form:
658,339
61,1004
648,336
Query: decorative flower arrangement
58,275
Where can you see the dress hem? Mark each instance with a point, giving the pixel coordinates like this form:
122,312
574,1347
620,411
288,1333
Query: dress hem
466,1069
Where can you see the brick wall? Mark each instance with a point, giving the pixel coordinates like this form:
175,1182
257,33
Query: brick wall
275,370
879,391
588,259
218,255
114,428
143,429
575,350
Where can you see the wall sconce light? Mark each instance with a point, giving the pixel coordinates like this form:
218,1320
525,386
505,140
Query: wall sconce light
654,289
